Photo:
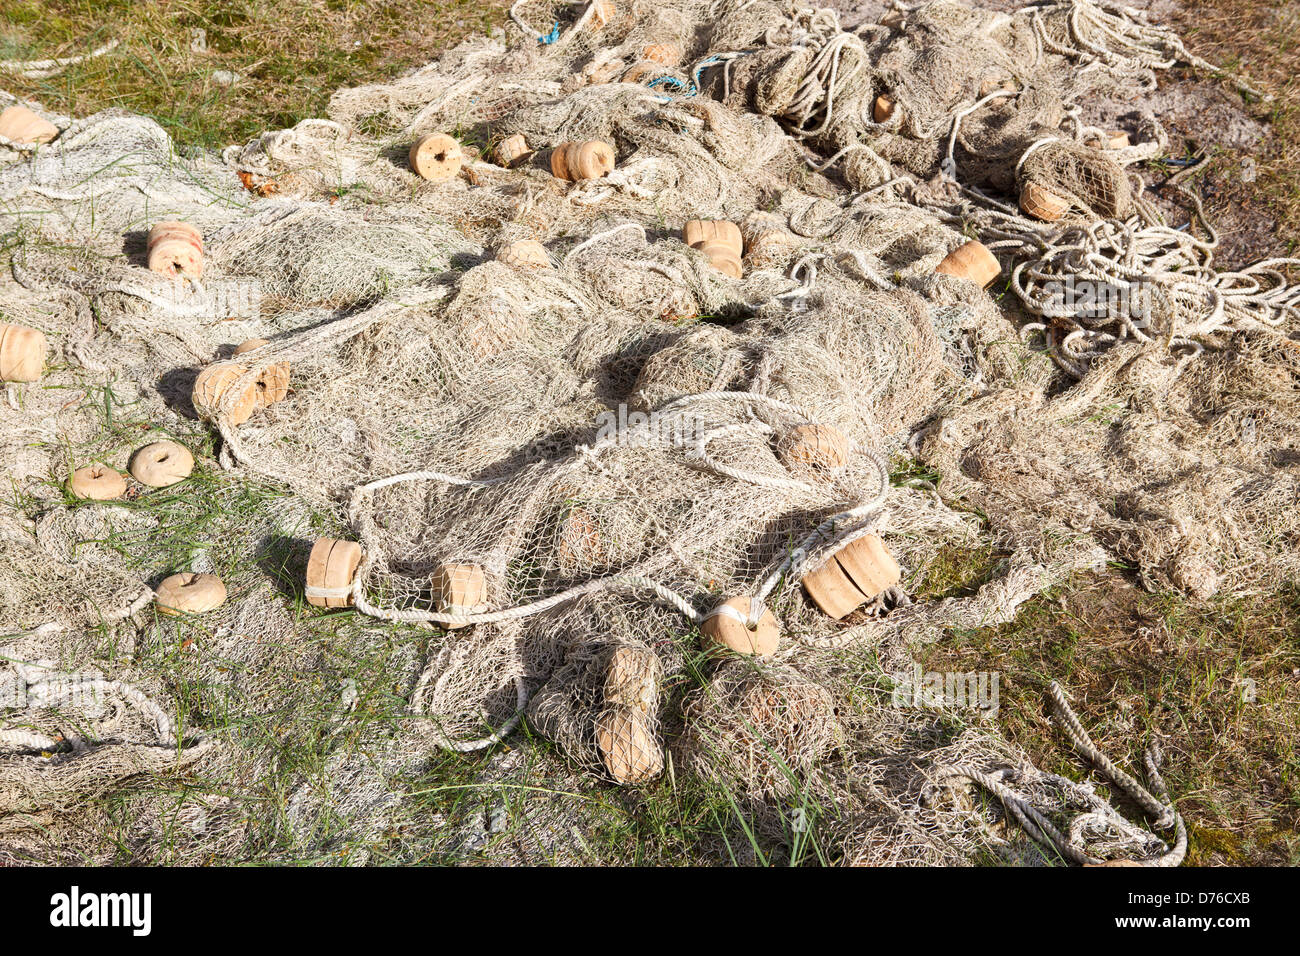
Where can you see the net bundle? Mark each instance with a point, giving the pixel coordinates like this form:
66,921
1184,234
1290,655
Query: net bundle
560,468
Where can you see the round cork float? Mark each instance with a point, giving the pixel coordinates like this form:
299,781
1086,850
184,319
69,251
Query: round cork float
524,254
1116,139
189,593
769,243
579,541
97,483
972,261
214,382
669,54
273,384
175,229
602,12
632,679
718,239
883,109
870,565
815,447
832,591
628,746
1042,203
461,589
992,85
20,125
161,463
731,630
436,157
176,249
249,344
511,150
699,233
331,569
855,574
270,386
590,160
22,353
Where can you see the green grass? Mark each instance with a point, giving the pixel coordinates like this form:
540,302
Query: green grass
291,56
1263,41
1217,682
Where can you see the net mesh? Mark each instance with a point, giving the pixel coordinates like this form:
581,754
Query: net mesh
601,443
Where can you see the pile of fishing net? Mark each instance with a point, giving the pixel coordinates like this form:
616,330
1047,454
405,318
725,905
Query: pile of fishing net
562,472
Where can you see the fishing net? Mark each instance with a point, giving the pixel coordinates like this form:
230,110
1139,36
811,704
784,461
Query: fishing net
558,470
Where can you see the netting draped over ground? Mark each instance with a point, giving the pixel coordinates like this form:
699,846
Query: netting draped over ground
602,437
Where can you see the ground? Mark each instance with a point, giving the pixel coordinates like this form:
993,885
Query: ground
1219,679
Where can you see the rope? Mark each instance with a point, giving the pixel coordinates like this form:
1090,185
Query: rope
40,69
23,740
1126,45
601,236
1159,275
47,687
756,611
1040,828
831,529
1083,744
553,37
462,618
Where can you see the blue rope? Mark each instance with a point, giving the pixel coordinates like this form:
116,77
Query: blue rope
552,36
699,68
685,89
673,82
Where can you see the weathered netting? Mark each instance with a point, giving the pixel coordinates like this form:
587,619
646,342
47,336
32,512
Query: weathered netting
449,408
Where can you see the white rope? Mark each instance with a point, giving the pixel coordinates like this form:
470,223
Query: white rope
1156,273
756,611
565,36
24,740
462,618
1037,825
698,451
46,688
40,69
950,161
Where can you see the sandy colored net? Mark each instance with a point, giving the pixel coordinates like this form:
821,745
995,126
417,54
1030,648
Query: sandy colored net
560,469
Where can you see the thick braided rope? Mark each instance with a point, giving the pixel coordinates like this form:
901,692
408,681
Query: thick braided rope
23,740
700,453
1040,828
1162,810
50,687
1034,822
1078,737
40,69
458,617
